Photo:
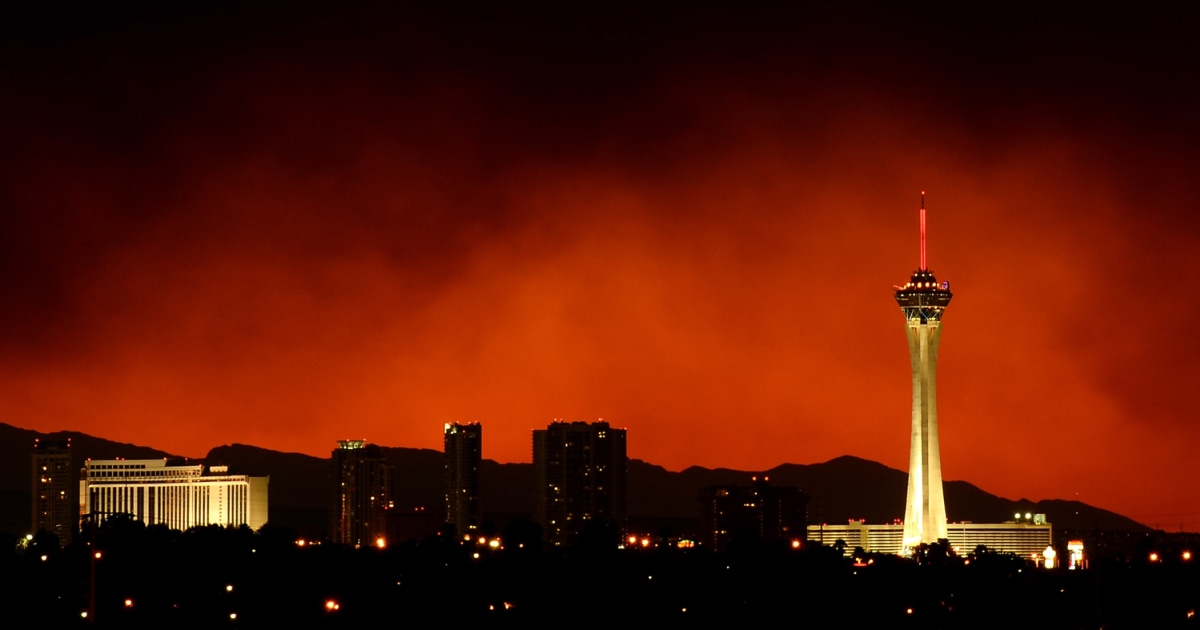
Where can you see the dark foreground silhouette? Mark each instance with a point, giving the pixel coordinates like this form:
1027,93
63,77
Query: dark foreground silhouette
210,577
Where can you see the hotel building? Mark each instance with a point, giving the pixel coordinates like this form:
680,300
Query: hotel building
1024,538
179,496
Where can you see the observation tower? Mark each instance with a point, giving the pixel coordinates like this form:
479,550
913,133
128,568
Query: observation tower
923,300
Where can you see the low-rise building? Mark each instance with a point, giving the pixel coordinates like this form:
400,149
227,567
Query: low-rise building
1028,537
180,496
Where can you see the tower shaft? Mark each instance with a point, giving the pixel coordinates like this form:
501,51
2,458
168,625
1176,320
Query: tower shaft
925,508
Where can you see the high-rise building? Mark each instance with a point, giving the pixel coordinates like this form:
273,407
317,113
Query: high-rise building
463,452
361,493
757,512
923,300
580,475
55,507
180,496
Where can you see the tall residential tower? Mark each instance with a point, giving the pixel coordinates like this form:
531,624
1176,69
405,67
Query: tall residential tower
55,505
580,474
923,301
361,493
463,452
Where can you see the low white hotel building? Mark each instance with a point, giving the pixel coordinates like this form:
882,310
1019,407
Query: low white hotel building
1028,538
178,496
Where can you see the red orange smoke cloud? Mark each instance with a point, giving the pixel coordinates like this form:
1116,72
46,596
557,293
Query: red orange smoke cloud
689,226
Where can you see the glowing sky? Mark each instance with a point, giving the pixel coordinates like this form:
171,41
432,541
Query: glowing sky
288,227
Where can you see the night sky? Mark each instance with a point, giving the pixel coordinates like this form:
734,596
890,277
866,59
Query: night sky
289,225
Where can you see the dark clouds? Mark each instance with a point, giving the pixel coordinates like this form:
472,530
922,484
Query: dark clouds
283,227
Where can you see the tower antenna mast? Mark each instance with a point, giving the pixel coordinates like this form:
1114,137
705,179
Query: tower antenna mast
923,267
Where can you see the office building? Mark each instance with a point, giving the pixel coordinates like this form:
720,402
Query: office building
758,512
180,496
923,300
579,470
463,452
361,493
55,508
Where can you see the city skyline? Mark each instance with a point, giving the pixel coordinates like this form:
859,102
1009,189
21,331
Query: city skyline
684,219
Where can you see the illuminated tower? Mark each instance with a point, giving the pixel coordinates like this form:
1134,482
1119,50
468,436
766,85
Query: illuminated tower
923,300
